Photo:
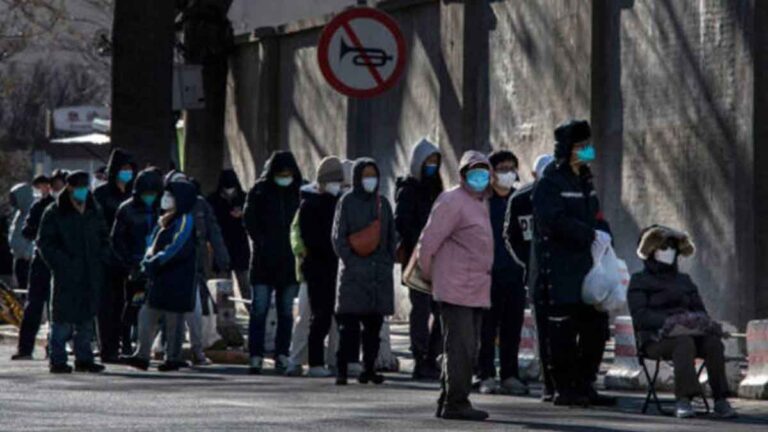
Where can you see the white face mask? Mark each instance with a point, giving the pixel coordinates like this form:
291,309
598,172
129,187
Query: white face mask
333,188
370,183
167,202
506,180
55,194
665,256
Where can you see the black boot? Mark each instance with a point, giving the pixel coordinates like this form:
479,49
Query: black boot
135,362
89,367
467,414
60,369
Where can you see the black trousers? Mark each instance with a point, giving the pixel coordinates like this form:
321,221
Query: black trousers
503,321
461,332
321,289
426,341
349,337
38,296
577,337
130,315
541,312
111,306
683,351
21,271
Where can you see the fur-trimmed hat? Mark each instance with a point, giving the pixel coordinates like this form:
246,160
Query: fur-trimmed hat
656,236
569,133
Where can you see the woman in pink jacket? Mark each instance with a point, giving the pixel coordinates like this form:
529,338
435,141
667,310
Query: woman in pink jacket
456,253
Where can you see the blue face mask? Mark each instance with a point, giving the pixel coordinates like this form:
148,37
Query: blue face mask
284,181
586,154
149,199
80,194
431,169
124,176
478,179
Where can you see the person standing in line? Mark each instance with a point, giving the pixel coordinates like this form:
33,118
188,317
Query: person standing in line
518,235
414,198
455,252
121,171
21,199
504,319
365,282
74,242
269,211
568,221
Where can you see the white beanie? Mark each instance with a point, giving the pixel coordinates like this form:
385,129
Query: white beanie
541,163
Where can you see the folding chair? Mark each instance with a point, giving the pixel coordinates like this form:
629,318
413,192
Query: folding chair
641,357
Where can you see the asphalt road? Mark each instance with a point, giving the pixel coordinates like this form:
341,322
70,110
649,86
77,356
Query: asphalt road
226,399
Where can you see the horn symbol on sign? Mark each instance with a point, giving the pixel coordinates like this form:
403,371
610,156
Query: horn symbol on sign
376,57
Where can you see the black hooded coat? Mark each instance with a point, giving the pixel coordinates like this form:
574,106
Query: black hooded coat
108,195
232,228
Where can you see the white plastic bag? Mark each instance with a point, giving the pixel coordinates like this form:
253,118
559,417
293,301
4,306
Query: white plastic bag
605,286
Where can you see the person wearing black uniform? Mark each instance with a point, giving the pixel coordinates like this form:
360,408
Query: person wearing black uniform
567,221
39,275
518,235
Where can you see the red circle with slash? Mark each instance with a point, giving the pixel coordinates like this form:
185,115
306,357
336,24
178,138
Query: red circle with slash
362,52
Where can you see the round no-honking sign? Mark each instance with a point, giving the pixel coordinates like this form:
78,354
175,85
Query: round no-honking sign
362,52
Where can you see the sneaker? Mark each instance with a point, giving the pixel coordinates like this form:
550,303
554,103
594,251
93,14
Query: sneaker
294,370
18,356
60,368
684,409
281,364
373,377
319,372
201,361
256,365
724,410
515,387
469,414
89,367
354,369
488,386
135,362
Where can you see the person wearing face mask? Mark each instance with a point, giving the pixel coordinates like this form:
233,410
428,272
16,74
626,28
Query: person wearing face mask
455,252
365,283
227,204
671,321
131,236
74,242
120,173
169,265
269,211
39,276
567,221
518,235
504,319
21,198
319,265
414,197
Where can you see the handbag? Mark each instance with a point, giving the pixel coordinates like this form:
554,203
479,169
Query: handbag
413,279
365,242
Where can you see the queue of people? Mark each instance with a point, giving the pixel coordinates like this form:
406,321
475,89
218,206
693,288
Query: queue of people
128,262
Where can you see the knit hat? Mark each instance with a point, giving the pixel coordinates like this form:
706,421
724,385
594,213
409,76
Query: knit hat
656,236
77,178
330,170
569,133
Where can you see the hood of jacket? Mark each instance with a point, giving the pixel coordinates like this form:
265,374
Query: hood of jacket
420,152
469,159
148,180
185,195
281,161
228,179
118,158
23,195
357,174
656,236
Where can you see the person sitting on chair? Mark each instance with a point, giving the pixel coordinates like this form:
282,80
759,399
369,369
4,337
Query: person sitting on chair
672,322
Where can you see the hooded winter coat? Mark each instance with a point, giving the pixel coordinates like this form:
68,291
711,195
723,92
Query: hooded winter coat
316,214
170,262
75,246
456,247
269,211
108,195
518,225
567,213
415,196
232,228
135,222
365,284
22,197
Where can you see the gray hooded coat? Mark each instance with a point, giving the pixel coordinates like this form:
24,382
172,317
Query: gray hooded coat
23,197
365,284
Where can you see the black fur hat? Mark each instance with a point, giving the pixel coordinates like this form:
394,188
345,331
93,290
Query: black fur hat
569,133
657,236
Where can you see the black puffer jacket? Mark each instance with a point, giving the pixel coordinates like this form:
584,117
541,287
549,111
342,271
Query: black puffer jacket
269,212
316,225
135,221
232,228
109,195
656,293
567,213
32,223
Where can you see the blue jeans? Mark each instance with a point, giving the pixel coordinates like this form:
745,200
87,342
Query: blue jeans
63,332
261,297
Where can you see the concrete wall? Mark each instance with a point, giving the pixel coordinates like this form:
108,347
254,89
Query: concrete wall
675,91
